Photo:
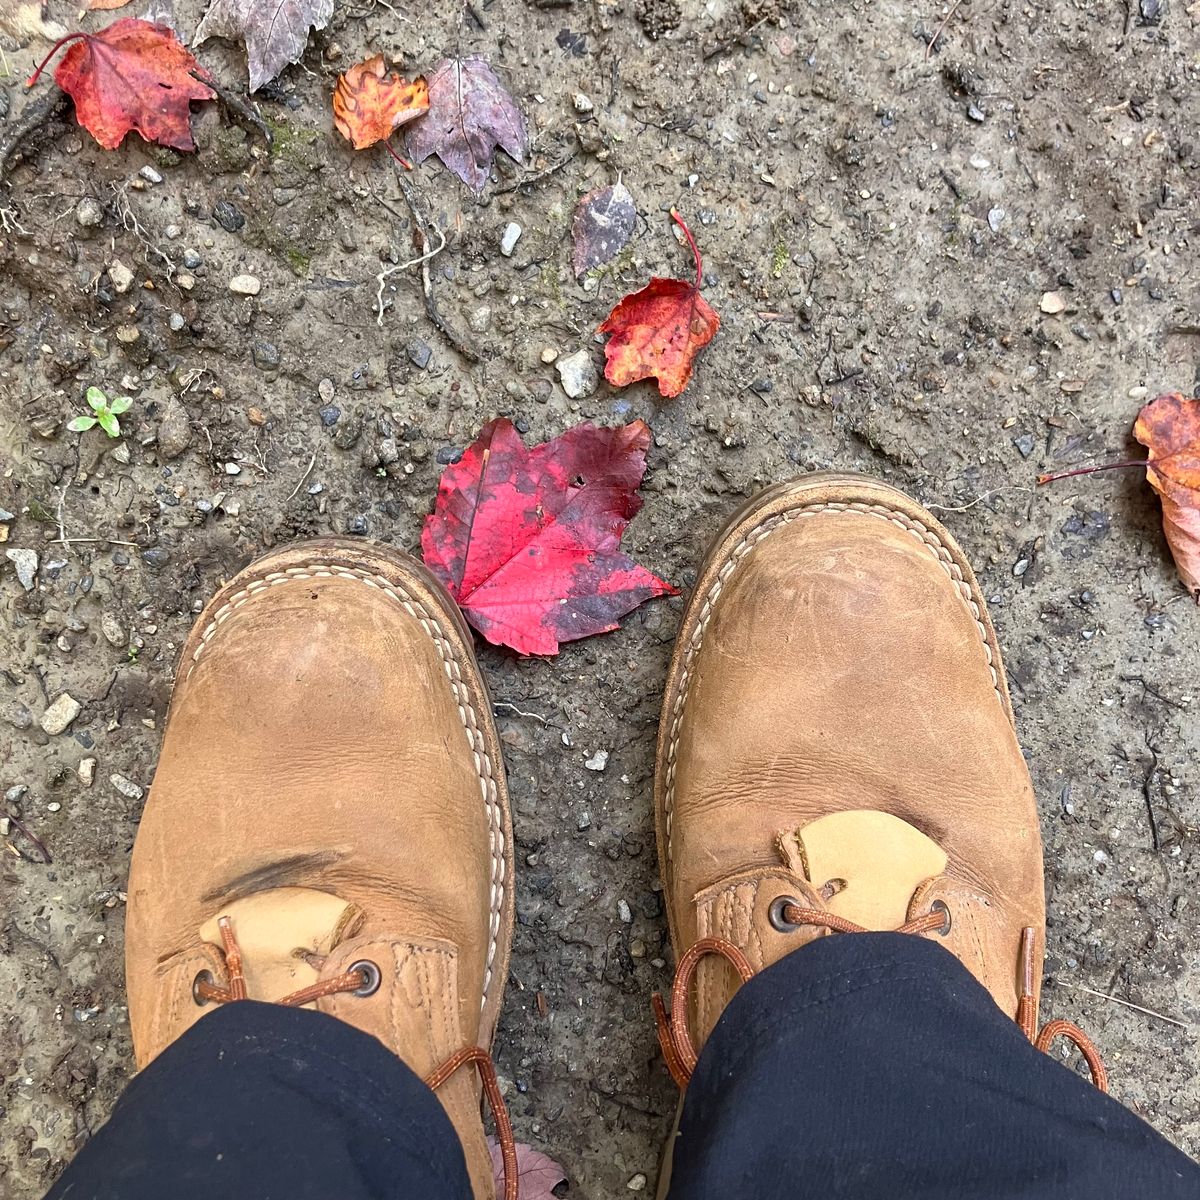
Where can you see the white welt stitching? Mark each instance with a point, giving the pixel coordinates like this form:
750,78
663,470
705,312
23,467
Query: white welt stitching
925,536
462,696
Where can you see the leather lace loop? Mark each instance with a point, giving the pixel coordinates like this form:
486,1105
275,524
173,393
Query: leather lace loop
358,978
679,1050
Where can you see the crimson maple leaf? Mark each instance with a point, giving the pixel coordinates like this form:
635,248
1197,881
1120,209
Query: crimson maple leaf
528,540
131,75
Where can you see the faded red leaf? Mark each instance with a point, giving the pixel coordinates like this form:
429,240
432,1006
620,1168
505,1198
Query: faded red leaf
275,31
604,221
131,75
470,114
370,103
537,1173
1169,428
657,332
528,540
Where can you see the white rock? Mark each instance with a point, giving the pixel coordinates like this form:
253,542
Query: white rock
87,771
122,277
150,175
578,374
245,285
598,761
60,714
126,787
113,631
26,564
1052,303
512,235
583,103
624,911
637,1183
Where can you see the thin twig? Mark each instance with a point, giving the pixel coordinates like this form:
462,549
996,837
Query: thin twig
1080,987
532,179
941,29
231,100
963,507
303,477
383,275
33,840
512,708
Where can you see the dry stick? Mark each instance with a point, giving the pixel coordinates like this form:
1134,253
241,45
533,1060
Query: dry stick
1079,987
33,117
1119,466
247,112
530,180
464,347
387,272
941,29
303,477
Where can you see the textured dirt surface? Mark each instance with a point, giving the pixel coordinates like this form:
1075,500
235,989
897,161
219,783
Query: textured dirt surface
879,230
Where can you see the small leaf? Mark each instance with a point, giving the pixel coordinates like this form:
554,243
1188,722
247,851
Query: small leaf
370,103
604,221
79,424
275,31
538,1173
120,404
109,424
97,399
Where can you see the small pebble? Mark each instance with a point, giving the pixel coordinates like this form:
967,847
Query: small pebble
329,415
578,374
624,911
996,218
150,175
245,285
185,280
112,630
173,232
419,353
122,277
325,390
357,525
637,1183
582,103
88,213
127,788
512,235
192,260
87,771
549,354
17,715
228,216
174,430
598,761
266,355
1052,303
60,714
231,468
176,322
25,562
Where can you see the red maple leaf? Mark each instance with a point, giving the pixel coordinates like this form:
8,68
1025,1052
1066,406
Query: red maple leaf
657,332
131,75
528,540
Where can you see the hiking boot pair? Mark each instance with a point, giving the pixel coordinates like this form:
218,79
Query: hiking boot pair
329,823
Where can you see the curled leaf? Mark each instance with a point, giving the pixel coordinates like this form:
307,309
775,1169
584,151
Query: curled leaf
275,31
370,103
656,333
1169,427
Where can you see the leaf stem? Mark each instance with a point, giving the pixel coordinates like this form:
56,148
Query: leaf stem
62,41
402,161
1117,466
687,233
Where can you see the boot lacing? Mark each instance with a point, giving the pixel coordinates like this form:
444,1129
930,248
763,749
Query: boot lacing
362,979
676,1040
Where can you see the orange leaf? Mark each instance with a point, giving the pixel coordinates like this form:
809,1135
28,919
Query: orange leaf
1169,428
657,332
370,103
131,75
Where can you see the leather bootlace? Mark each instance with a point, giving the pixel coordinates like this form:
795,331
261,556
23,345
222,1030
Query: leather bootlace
679,1050
355,980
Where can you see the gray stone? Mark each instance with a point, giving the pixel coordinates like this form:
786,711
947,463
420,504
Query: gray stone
996,218
113,630
60,714
228,216
245,285
150,175
192,260
419,353
126,787
512,235
480,319
88,213
122,277
174,430
177,322
26,564
17,715
266,355
578,374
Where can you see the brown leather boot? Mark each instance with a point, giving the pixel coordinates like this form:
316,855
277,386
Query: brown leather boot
329,823
837,754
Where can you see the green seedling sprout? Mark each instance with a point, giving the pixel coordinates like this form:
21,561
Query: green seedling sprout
106,413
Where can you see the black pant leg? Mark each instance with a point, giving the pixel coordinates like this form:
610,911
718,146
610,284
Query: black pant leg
874,1066
261,1102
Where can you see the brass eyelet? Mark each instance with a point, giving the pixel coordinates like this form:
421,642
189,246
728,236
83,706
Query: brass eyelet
372,977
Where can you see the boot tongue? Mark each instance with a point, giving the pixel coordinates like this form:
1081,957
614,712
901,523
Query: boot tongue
867,864
283,934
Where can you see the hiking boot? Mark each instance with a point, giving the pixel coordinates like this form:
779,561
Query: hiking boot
329,824
837,754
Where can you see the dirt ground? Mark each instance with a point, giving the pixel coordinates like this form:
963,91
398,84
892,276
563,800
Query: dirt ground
879,227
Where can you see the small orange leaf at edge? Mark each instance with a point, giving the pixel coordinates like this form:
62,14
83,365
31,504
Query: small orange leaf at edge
370,103
1169,427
